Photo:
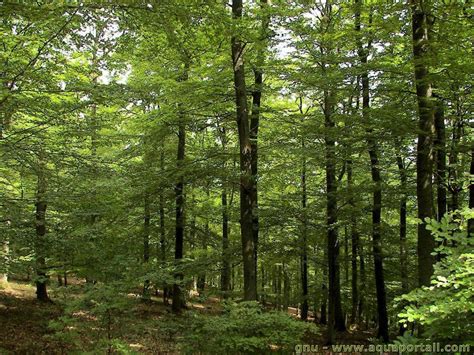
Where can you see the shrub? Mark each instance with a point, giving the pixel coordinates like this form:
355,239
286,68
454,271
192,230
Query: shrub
446,307
246,328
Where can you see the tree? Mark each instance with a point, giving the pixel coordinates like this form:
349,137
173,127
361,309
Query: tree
421,24
247,194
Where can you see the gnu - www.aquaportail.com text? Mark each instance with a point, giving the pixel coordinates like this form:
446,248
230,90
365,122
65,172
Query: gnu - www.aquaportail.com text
398,348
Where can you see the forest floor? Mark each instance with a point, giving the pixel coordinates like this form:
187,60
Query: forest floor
149,328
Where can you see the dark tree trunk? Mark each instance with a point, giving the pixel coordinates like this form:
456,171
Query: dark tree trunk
162,248
335,316
286,288
178,294
254,125
470,222
247,195
225,276
440,145
324,290
146,241
304,229
40,218
363,279
403,224
354,246
201,282
454,187
421,23
403,228
226,267
377,193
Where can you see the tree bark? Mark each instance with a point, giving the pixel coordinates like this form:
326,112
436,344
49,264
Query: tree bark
421,23
440,145
354,246
5,259
178,294
454,187
470,222
161,208
335,316
146,241
247,195
377,180
361,307
304,228
324,289
40,217
403,224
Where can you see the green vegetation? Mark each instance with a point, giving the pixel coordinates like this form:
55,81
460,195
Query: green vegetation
235,177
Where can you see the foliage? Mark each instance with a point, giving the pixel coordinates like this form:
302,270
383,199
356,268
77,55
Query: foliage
246,328
445,309
98,307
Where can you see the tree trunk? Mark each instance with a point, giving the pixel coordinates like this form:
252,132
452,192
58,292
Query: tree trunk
440,145
5,252
377,180
361,308
454,187
421,23
247,195
225,276
354,246
146,241
178,294
286,288
335,316
324,289
403,224
161,208
41,276
470,222
304,229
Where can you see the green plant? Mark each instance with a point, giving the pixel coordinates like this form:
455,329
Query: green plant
246,328
100,307
445,309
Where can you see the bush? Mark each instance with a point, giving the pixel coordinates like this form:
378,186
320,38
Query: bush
246,328
99,307
446,308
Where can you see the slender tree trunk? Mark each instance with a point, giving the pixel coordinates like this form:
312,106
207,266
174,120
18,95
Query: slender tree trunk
254,125
286,288
161,208
403,224
421,23
226,267
354,246
440,144
453,166
324,289
5,252
225,276
470,222
146,241
304,228
335,316
403,228
377,193
247,196
279,279
361,308
178,294
41,205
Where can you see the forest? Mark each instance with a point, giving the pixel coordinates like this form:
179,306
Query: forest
236,176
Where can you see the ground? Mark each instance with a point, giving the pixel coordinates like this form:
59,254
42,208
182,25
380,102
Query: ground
147,327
